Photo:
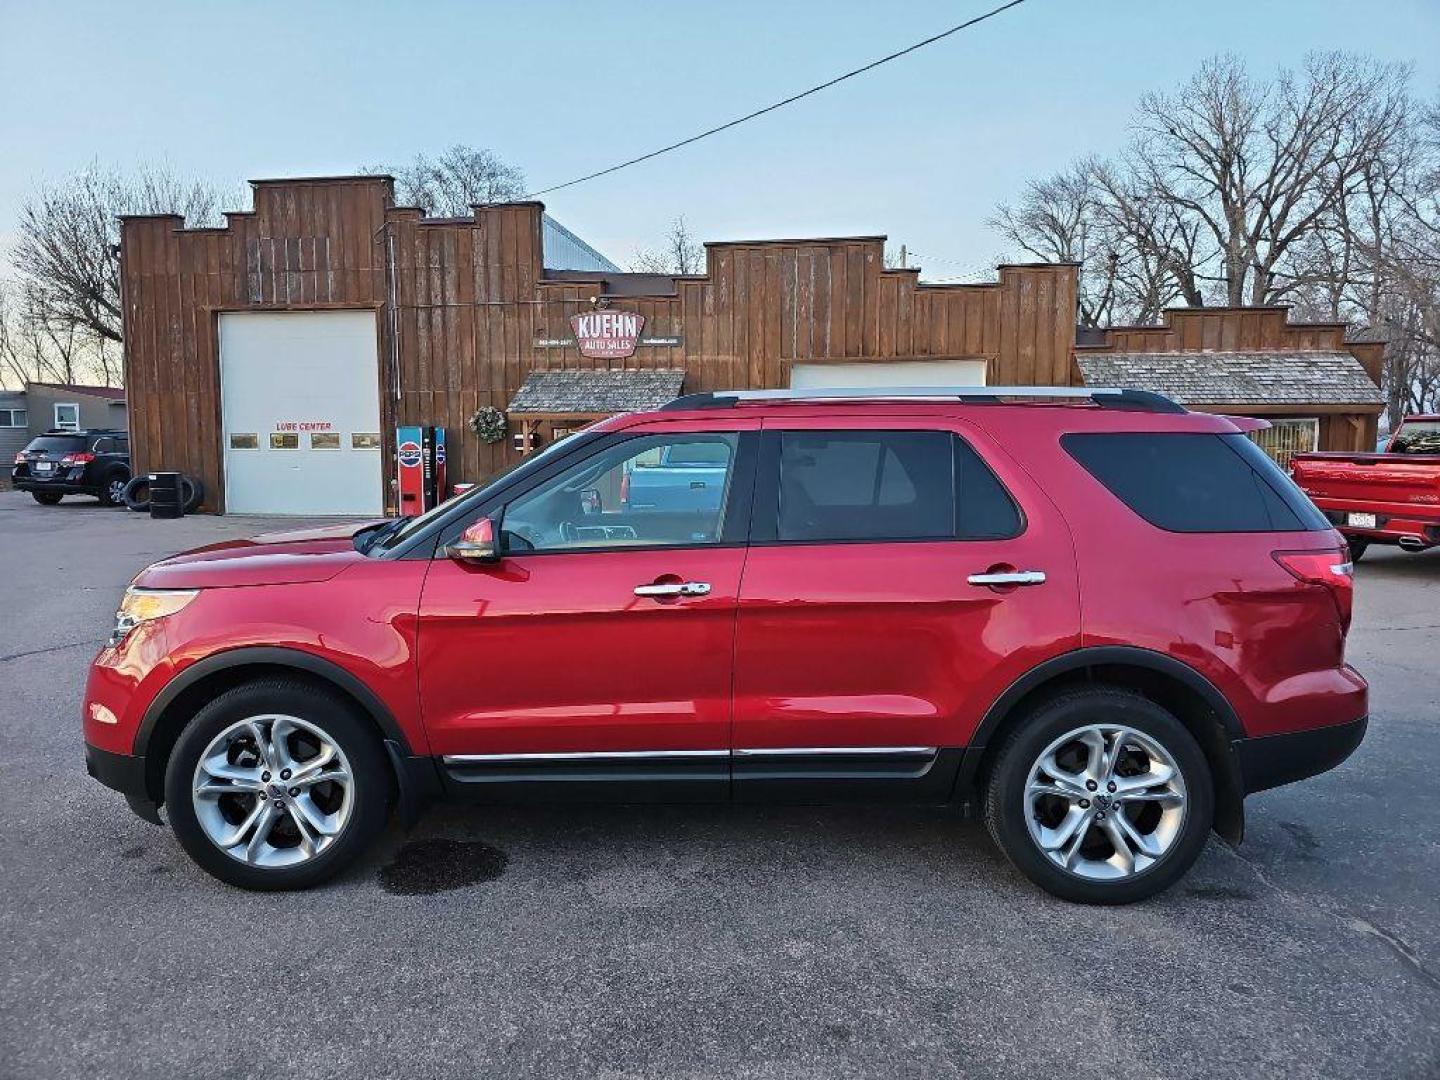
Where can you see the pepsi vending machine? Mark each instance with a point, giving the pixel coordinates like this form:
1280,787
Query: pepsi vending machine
420,462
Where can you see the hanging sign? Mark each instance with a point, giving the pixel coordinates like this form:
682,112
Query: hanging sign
607,334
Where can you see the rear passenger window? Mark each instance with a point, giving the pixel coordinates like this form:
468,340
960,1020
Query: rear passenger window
887,485
1192,482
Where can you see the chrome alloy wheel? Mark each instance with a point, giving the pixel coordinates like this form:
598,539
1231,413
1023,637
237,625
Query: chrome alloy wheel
115,491
1105,802
273,791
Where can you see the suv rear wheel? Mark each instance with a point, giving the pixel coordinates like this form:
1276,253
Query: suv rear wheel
276,784
1100,796
113,493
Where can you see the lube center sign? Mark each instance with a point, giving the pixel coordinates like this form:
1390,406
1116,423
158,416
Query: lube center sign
606,334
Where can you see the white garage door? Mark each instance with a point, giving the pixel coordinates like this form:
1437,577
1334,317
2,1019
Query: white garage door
892,373
300,402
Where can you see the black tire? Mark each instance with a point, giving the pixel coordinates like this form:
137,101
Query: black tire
1006,808
112,493
47,498
192,494
351,732
1358,547
137,495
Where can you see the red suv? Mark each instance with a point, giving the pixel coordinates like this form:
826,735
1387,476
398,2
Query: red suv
1100,619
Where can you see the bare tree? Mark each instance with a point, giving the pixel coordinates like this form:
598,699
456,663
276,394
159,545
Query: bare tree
1261,165
459,178
679,254
68,254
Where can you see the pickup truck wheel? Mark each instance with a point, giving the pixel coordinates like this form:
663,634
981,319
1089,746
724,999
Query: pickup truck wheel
277,784
1358,547
46,498
1100,796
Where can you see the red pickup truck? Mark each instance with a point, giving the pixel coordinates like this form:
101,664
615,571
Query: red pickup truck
1392,497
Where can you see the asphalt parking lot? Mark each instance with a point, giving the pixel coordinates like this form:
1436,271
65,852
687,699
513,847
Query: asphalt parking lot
693,942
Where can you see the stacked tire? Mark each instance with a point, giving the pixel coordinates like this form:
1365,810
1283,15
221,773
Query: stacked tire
137,493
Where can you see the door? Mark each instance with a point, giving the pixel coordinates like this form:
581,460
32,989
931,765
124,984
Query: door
300,400
883,608
600,646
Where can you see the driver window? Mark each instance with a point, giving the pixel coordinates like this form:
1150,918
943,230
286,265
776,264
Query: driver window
655,490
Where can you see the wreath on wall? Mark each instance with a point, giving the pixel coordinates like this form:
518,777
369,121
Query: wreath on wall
490,424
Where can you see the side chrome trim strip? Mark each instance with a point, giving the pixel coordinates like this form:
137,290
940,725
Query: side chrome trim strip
612,755
850,751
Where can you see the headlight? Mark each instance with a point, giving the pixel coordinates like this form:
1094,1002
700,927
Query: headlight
142,605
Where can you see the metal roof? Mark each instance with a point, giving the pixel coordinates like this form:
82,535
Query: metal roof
596,391
1237,378
562,250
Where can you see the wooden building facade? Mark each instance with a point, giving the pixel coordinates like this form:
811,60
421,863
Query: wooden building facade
465,309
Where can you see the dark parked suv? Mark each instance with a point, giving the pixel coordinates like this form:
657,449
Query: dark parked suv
1099,619
61,463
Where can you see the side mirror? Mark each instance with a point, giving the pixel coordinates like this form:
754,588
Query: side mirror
476,544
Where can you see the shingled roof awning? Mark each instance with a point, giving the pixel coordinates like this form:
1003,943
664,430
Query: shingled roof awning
595,393
1301,379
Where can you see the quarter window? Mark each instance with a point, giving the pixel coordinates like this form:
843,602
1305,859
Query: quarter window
650,491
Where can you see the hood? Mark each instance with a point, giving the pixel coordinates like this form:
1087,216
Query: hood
278,558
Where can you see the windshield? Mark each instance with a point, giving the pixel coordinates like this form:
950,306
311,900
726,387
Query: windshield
1417,437
394,533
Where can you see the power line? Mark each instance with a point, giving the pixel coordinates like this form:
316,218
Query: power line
780,104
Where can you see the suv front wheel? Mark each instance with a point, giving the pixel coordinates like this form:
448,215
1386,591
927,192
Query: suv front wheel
276,784
1100,796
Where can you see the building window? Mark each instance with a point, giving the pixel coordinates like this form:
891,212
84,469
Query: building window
67,416
284,440
325,440
365,440
13,418
244,440
1286,438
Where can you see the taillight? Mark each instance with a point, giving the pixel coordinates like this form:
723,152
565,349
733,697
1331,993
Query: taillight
77,459
1332,569
625,490
20,458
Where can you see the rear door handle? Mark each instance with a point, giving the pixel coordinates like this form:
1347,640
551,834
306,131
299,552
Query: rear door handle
1013,577
674,588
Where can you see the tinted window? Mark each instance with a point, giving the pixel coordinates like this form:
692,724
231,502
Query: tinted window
1196,483
62,443
986,510
866,485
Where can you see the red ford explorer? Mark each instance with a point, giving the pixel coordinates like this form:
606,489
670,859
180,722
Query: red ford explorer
1100,619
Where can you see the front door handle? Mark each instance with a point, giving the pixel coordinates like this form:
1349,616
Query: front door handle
674,588
1012,577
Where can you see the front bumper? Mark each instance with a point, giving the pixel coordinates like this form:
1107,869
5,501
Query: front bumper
126,774
1272,760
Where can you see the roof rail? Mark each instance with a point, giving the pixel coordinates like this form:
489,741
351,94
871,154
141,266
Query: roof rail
1107,397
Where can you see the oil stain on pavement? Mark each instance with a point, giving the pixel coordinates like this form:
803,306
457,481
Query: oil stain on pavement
426,867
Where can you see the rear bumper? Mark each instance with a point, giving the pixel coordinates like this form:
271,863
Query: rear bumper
1390,526
1273,760
59,487
126,774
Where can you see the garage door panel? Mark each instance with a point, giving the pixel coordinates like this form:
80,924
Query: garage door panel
296,388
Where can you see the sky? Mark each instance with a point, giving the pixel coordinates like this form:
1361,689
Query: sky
920,150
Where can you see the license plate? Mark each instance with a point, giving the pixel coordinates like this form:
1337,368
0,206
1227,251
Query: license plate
1360,521
42,466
